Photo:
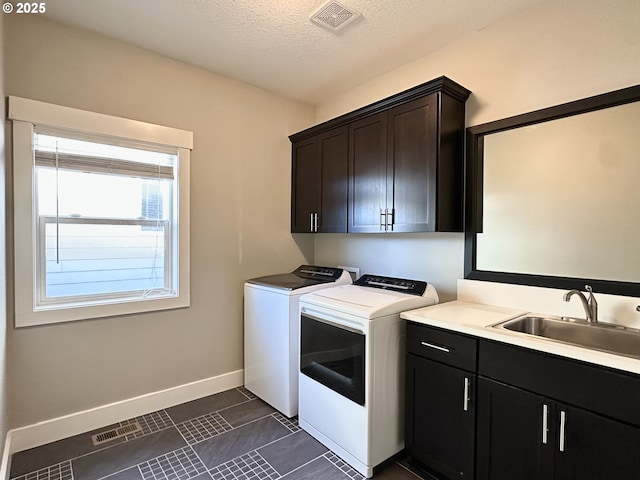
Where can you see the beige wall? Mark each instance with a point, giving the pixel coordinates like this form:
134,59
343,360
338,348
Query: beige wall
553,52
240,203
3,303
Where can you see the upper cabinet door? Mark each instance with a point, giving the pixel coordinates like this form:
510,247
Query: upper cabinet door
319,183
367,173
413,165
305,185
332,214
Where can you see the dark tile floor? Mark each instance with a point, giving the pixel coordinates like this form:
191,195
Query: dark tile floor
230,435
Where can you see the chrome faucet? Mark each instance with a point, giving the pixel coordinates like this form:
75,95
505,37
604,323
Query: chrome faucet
590,305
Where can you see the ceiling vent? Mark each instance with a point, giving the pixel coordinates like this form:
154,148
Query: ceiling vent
334,16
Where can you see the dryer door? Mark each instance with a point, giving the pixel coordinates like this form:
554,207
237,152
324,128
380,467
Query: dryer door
333,355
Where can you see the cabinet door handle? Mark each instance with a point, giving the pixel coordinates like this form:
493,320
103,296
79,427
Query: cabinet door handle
466,394
316,222
563,421
383,223
311,223
545,423
437,347
389,223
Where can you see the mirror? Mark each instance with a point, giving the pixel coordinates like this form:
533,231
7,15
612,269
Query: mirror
553,196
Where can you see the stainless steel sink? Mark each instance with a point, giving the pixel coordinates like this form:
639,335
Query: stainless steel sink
598,336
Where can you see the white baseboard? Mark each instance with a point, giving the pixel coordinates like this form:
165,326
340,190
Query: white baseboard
5,462
69,425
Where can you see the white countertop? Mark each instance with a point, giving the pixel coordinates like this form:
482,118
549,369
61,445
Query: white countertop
474,318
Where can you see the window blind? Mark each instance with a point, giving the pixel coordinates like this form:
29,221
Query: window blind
96,154
112,166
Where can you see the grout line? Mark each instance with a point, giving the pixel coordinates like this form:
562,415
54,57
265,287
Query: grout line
239,389
350,472
235,405
256,450
236,427
151,433
56,470
213,424
120,471
236,461
166,473
198,457
276,440
305,464
108,447
151,419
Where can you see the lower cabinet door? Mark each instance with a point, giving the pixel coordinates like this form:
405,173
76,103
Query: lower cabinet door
516,436
441,417
592,447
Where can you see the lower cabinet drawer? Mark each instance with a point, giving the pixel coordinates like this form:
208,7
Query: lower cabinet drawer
592,387
443,346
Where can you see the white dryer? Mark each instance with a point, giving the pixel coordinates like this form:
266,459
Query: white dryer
351,378
271,331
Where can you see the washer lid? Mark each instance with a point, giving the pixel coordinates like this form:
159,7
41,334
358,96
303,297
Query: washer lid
303,276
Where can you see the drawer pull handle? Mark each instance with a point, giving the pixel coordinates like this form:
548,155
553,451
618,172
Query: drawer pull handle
545,423
437,347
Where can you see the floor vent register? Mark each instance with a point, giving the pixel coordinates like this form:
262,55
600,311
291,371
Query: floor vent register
114,433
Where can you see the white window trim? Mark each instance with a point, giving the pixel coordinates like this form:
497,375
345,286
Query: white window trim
25,113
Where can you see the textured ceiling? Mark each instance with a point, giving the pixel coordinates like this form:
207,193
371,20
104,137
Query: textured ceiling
274,45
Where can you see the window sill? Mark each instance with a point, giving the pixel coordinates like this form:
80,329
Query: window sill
126,307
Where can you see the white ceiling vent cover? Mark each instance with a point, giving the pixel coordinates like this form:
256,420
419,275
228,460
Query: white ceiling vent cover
334,16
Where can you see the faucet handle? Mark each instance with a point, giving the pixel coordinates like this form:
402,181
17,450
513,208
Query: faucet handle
588,288
592,303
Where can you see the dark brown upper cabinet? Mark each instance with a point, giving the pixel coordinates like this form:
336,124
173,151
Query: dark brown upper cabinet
405,165
319,187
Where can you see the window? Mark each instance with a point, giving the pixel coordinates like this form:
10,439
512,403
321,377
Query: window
101,219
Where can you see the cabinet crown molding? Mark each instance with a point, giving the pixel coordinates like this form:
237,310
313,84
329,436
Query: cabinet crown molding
441,84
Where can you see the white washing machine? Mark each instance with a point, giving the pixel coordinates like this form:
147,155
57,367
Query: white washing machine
271,331
351,381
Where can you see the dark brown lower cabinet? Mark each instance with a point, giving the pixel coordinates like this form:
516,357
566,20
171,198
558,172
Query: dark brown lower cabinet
596,447
488,410
526,436
440,416
512,443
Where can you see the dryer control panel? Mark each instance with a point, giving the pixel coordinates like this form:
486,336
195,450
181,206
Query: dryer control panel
400,285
